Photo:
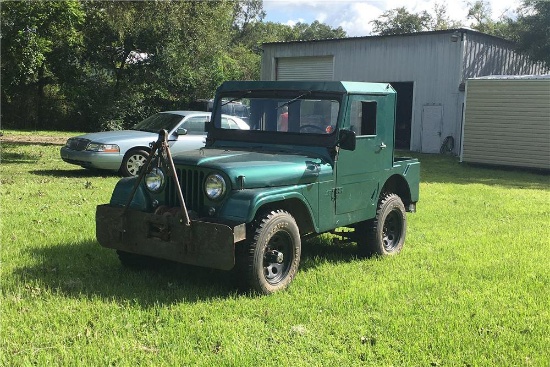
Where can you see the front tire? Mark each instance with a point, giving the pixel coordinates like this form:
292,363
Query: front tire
132,162
385,234
273,253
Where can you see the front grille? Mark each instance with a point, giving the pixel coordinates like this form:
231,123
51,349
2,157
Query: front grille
78,144
191,182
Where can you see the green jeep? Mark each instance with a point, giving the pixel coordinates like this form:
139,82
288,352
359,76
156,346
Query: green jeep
318,156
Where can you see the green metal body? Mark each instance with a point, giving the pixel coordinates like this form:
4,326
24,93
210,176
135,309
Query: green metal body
322,185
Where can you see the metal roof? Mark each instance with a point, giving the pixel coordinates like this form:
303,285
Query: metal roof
449,31
510,77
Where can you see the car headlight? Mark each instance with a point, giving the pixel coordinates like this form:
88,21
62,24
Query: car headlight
154,180
214,186
100,147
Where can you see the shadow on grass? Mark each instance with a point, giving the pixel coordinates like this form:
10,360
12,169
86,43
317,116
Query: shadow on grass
19,158
77,173
326,249
88,270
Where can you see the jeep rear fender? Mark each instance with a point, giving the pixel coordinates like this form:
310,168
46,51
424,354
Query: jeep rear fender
399,184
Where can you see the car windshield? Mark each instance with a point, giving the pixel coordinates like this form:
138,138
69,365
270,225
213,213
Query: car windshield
300,112
157,122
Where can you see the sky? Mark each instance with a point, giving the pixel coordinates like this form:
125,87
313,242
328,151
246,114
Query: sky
354,16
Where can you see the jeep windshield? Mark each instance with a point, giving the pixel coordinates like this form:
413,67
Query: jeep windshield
283,113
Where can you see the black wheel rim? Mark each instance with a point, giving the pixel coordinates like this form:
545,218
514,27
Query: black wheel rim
391,232
278,257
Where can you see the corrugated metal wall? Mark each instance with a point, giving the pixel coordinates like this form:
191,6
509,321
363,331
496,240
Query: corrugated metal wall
507,122
436,62
485,55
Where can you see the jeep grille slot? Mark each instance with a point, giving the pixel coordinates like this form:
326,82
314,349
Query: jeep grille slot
191,182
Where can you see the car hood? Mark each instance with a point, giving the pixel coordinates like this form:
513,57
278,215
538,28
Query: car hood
113,137
259,169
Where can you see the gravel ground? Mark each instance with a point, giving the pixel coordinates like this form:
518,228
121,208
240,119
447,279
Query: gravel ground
27,139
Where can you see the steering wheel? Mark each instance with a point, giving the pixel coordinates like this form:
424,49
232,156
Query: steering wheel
314,127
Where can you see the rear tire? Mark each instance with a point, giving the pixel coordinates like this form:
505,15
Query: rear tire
132,162
273,252
385,234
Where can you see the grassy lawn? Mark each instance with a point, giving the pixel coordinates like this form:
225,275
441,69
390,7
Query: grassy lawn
470,288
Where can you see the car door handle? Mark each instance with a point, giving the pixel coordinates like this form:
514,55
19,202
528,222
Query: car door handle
382,146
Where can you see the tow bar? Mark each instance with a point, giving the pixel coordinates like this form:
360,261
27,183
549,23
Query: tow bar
160,150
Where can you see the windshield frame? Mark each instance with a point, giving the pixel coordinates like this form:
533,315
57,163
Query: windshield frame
290,96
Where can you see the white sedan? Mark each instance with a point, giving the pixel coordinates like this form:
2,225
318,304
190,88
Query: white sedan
126,151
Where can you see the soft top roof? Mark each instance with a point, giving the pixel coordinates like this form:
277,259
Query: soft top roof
318,86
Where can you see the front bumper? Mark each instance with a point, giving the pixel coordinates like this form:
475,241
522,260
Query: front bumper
205,242
87,159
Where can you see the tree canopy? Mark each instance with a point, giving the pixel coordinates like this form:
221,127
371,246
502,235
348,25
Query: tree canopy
92,65
400,20
531,32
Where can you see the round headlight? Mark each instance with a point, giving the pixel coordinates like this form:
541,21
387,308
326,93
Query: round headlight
214,186
154,180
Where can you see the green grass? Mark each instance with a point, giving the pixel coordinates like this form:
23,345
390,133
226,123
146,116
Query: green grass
470,288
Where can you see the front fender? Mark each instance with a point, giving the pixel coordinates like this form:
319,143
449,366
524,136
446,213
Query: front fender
123,189
243,205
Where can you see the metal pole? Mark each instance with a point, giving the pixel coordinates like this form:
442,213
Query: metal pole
184,212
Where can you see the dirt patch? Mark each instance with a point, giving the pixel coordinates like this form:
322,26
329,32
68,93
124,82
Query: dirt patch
28,139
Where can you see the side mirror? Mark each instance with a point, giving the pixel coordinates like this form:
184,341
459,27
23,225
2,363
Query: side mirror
346,139
181,131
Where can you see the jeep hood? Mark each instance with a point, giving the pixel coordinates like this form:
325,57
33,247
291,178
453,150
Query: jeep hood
259,169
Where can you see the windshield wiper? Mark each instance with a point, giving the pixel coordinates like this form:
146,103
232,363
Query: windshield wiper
293,100
236,98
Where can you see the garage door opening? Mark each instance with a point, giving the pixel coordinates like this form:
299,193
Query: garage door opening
403,117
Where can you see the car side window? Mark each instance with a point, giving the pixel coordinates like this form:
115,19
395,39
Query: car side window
195,125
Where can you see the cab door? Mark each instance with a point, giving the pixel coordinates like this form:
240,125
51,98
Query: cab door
359,172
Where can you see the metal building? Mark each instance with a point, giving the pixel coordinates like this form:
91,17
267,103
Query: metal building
427,69
507,121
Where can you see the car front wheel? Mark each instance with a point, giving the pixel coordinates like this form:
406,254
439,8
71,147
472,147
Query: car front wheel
132,162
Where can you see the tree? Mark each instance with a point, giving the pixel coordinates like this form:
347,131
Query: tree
531,31
246,14
315,31
480,13
441,20
147,56
40,44
400,20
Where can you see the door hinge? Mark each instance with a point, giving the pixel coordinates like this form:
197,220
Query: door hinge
335,192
